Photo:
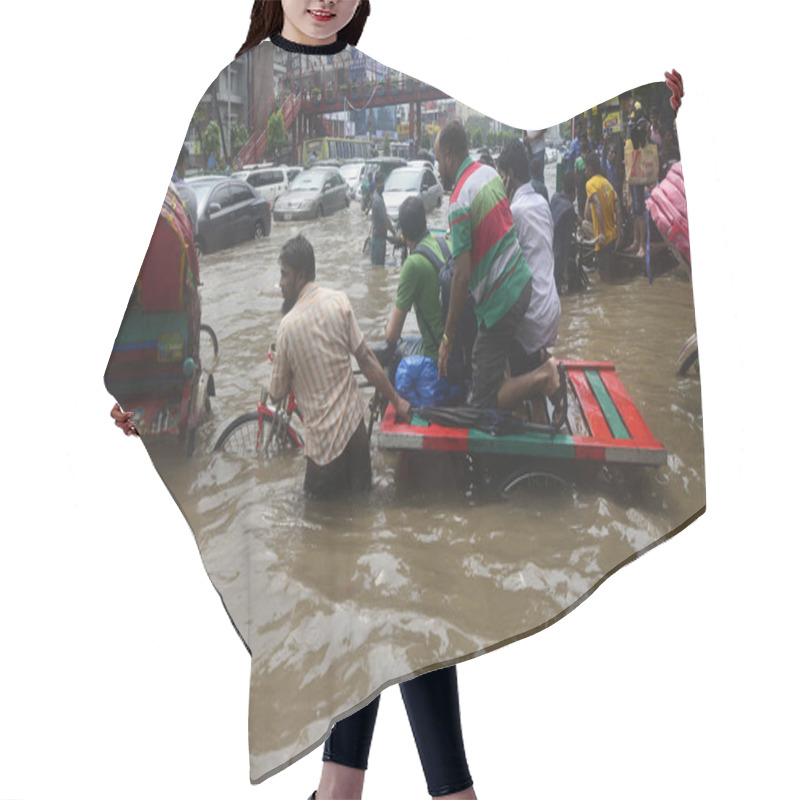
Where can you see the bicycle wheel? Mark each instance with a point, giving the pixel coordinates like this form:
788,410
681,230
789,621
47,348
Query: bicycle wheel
209,345
240,437
531,483
689,363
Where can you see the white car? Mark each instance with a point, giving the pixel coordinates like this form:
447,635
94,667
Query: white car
409,181
353,174
271,182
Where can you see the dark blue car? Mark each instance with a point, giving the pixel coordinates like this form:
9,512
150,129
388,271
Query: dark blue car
229,211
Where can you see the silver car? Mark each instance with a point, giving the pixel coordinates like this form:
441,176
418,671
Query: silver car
313,193
409,181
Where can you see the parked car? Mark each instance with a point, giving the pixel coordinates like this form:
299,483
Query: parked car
270,181
229,211
409,181
314,193
353,173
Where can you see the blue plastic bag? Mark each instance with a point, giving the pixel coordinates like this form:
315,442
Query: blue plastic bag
417,380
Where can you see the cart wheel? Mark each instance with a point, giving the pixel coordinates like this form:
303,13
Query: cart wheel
240,437
533,483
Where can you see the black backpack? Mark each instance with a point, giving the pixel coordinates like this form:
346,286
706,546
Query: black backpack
459,367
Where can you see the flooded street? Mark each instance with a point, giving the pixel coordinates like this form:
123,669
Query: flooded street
332,597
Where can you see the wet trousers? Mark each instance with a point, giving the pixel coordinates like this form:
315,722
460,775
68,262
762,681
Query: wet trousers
431,702
350,472
377,251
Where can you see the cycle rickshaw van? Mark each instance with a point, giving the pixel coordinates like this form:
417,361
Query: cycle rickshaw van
155,368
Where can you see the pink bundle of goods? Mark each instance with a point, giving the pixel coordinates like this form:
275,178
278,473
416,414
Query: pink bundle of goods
667,206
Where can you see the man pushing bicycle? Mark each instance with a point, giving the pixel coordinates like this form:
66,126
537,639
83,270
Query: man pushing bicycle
316,338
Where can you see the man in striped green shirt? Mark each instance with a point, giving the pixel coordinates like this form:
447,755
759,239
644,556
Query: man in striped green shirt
488,262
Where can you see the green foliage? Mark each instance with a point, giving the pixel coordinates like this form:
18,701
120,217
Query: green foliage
387,147
477,138
276,133
425,141
201,116
239,137
211,140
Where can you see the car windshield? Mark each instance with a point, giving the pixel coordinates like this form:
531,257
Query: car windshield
310,181
351,171
402,181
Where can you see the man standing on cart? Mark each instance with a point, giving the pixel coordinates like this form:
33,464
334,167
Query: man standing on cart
533,223
489,262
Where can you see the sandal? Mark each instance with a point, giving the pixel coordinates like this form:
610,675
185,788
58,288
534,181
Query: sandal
559,400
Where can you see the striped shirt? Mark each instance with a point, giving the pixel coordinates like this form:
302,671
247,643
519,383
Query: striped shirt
481,222
315,342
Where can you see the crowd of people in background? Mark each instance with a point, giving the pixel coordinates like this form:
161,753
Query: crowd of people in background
588,160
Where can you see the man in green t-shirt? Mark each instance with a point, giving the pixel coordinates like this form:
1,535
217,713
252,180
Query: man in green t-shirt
418,286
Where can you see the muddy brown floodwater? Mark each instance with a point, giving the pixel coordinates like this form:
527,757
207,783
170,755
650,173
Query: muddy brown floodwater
333,598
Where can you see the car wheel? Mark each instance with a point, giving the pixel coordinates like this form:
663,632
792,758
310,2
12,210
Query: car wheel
438,202
199,247
320,211
259,231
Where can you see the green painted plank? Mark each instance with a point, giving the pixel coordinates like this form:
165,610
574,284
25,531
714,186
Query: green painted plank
138,326
523,444
604,400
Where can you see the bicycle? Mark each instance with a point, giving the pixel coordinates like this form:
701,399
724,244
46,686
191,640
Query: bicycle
268,430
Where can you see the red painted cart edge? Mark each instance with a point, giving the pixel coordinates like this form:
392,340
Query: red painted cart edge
642,448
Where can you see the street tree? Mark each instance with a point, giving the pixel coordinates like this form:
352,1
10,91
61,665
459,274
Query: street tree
276,133
239,137
211,140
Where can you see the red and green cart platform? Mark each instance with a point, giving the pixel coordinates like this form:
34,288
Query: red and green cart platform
604,426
